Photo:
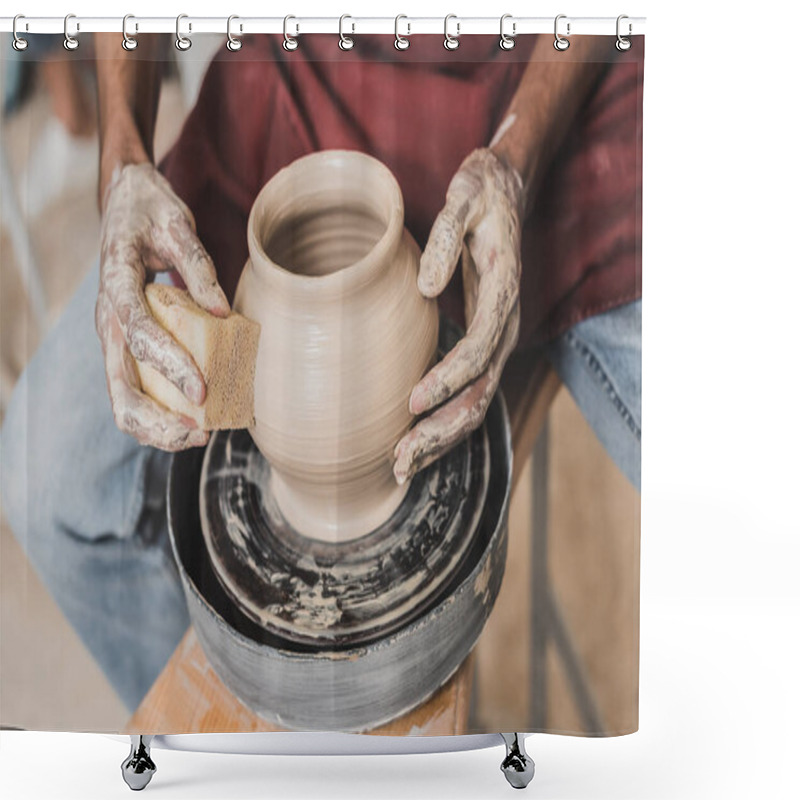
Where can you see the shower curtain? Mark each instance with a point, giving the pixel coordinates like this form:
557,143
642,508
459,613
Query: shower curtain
129,600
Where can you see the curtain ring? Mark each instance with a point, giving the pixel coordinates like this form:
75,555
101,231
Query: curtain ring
70,42
345,42
623,43
507,42
19,44
128,42
401,42
451,42
289,42
233,44
560,42
182,42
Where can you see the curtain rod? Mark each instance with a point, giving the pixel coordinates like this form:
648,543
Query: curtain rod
408,26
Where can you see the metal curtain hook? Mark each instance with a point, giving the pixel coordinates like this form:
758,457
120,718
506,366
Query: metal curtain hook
400,42
451,42
234,44
507,42
19,44
128,42
345,42
560,42
623,43
70,42
182,42
289,42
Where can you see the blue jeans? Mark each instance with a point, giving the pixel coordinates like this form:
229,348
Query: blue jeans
600,361
87,503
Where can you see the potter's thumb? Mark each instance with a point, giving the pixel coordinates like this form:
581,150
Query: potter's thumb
435,269
212,299
195,266
440,256
201,281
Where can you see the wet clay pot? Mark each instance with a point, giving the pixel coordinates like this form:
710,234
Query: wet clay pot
345,336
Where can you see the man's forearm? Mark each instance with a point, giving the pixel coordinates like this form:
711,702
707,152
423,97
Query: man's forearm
549,95
128,87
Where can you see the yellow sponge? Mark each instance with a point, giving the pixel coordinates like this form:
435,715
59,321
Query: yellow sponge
224,349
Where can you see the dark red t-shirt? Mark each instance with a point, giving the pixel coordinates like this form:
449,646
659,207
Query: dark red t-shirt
421,112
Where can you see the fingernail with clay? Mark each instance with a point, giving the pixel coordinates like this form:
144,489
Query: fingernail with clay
200,439
194,391
425,285
417,403
221,306
400,468
400,475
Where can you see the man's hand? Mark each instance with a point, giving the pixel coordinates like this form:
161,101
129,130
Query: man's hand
146,228
481,221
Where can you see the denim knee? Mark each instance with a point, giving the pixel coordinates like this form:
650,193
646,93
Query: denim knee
65,466
600,362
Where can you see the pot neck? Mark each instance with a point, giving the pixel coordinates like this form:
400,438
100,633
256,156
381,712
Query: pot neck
308,214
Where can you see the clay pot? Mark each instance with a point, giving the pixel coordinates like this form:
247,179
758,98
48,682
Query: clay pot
345,336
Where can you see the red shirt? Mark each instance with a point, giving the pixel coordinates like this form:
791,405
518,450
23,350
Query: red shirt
421,112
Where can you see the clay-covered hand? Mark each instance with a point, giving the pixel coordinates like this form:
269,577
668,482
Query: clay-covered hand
146,228
481,222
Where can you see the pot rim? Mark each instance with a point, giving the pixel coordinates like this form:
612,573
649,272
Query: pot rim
351,275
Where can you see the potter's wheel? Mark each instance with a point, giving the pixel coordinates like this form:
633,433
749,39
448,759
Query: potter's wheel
351,687
344,593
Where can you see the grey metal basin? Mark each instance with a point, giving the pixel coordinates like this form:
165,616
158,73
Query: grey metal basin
302,688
